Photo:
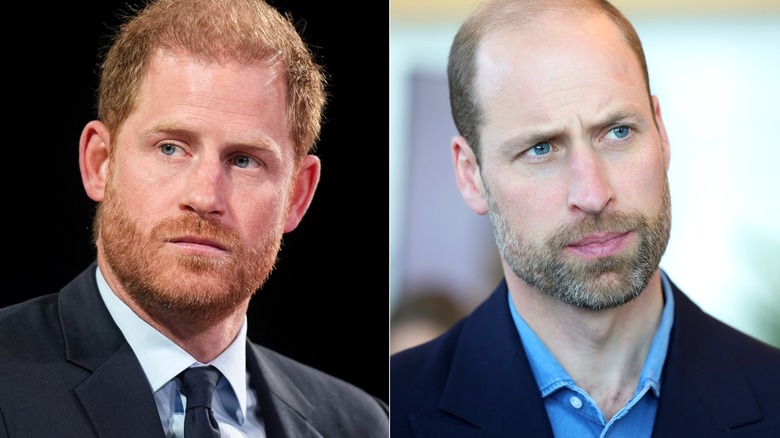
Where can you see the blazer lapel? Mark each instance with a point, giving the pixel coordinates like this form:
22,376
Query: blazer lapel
117,399
284,409
490,384
689,401
116,396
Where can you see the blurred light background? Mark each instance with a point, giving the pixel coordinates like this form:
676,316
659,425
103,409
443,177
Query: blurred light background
715,66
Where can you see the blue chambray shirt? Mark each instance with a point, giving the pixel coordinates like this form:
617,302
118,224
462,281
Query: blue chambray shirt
572,412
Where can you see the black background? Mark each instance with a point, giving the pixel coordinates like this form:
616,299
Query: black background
326,304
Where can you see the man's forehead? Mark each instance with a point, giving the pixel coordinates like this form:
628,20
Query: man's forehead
586,47
540,82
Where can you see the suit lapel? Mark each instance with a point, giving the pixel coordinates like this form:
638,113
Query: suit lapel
284,409
490,380
116,396
689,401
490,384
117,399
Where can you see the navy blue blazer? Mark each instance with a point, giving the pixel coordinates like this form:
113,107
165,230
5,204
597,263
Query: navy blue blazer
66,370
475,381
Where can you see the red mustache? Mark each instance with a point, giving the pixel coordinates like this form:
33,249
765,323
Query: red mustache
194,226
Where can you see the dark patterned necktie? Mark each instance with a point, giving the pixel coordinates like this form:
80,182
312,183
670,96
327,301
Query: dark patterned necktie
197,384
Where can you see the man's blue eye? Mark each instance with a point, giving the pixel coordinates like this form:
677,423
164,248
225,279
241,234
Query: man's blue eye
621,131
168,149
540,148
242,161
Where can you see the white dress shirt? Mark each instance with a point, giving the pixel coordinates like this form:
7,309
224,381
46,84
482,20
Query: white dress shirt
235,402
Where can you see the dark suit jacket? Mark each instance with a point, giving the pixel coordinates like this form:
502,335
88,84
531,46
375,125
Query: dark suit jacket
66,370
475,381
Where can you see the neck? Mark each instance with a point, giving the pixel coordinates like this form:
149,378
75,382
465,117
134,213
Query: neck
203,338
603,351
203,342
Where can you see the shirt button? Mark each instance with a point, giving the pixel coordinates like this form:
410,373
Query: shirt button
575,402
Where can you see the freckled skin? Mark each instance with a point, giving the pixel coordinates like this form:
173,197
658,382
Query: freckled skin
196,193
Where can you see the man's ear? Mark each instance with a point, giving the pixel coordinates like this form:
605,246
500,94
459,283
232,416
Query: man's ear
304,185
662,132
93,159
468,175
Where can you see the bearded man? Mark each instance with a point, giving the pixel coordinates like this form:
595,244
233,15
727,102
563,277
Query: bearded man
200,161
563,146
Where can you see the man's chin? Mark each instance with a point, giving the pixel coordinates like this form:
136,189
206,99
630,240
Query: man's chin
195,300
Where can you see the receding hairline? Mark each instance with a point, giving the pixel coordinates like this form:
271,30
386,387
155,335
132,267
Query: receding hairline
492,16
522,13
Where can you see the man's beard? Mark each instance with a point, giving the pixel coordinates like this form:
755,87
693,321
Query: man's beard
195,289
599,284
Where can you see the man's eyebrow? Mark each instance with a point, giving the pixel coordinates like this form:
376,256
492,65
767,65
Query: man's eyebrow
529,138
259,142
622,115
167,127
536,135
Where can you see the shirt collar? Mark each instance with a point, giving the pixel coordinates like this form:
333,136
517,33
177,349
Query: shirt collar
161,359
551,376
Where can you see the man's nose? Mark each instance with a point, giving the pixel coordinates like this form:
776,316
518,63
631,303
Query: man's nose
204,191
590,188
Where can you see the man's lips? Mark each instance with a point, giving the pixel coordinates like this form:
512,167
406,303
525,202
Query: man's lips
600,244
200,244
